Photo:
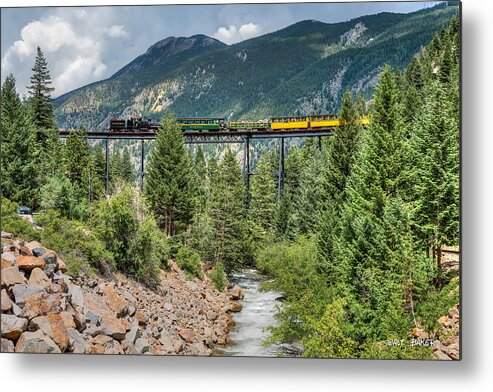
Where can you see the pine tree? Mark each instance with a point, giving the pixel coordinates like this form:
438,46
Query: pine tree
339,160
115,170
99,164
227,212
169,184
77,158
200,167
40,98
374,241
17,160
263,199
435,143
126,171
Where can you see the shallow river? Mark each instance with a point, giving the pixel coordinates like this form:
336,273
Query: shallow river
250,330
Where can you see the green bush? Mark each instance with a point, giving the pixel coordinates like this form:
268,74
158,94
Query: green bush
59,194
13,223
295,268
78,246
218,276
149,250
130,233
189,261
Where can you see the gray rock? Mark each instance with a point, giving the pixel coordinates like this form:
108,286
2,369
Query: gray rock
92,317
50,269
7,235
75,292
93,330
142,345
16,310
9,257
5,301
133,334
11,276
129,297
49,257
38,251
77,344
38,277
22,291
12,326
7,346
36,342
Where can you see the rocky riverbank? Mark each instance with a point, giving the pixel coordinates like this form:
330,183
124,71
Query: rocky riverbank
44,310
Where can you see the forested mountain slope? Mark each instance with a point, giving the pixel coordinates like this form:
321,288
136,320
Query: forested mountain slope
303,68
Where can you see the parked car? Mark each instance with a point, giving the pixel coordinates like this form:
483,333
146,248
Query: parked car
23,210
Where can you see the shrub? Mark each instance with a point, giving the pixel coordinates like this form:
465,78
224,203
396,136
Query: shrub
189,261
61,195
149,250
13,223
218,276
295,269
79,247
130,233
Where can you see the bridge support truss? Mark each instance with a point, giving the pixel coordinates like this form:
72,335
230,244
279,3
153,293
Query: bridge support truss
239,137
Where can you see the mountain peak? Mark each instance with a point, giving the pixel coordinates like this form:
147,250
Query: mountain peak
173,45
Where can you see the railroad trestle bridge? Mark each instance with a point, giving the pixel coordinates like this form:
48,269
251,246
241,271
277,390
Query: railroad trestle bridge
217,137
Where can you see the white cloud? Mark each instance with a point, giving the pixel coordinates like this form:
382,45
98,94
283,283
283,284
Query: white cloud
232,34
74,43
116,31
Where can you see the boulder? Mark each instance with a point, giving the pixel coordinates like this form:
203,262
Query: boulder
140,317
442,356
5,300
200,349
237,293
133,334
7,235
12,326
111,325
187,335
115,302
8,259
76,296
50,270
60,265
76,342
167,344
36,342
28,263
55,327
22,291
142,345
92,318
93,330
7,346
27,248
42,304
38,277
49,256
236,307
11,276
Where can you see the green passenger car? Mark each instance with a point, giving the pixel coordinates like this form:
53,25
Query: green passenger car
200,124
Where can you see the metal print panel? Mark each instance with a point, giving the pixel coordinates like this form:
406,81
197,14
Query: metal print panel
268,180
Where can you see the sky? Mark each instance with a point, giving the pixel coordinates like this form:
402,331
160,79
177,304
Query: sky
86,44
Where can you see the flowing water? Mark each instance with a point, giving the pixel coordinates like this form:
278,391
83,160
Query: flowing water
250,330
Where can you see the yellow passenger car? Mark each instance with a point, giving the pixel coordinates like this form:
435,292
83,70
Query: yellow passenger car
324,121
295,122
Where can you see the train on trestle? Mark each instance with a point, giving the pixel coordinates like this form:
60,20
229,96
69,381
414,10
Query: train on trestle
214,124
